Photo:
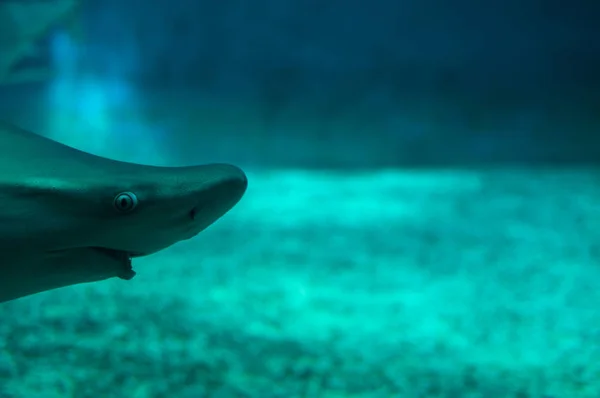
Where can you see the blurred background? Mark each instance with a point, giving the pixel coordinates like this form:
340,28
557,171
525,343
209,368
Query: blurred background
422,217
305,84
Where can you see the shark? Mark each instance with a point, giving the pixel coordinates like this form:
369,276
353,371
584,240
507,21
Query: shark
24,24
69,217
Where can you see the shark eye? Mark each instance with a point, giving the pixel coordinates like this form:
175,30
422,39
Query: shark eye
125,202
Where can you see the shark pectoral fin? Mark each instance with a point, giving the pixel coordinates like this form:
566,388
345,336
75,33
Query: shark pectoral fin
23,274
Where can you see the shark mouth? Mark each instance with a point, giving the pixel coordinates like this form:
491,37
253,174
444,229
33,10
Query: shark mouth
126,271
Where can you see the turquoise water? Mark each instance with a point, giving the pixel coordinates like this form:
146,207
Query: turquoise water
387,284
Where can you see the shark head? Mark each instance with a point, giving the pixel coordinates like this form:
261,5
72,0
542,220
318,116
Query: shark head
132,210
68,217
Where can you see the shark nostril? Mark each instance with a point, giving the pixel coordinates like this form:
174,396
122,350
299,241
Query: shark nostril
195,213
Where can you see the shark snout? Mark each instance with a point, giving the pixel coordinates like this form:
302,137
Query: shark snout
231,181
220,194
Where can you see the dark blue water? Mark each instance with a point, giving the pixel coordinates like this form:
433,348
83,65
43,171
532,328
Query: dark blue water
378,84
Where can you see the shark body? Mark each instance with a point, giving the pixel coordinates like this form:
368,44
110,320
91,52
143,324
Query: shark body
69,217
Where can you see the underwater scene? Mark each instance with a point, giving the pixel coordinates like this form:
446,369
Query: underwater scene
299,198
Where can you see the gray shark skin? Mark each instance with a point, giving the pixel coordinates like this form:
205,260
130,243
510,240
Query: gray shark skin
69,217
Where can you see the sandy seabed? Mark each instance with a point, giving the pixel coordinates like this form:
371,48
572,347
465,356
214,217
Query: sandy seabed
390,284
